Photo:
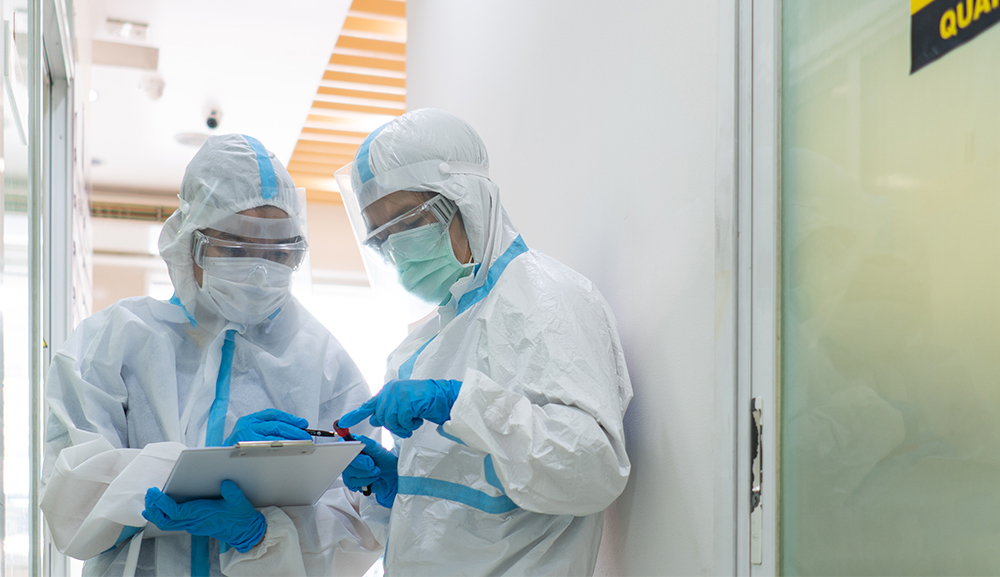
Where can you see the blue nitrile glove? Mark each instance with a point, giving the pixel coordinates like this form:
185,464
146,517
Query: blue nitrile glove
231,519
374,466
269,425
402,405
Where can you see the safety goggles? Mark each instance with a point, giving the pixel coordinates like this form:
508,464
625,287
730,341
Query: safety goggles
438,210
290,254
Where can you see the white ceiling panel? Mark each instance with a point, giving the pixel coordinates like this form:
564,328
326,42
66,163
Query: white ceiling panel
260,61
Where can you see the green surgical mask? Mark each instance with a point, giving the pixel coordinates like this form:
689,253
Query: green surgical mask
425,261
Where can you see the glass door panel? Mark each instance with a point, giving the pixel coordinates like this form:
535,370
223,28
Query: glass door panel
890,297
14,302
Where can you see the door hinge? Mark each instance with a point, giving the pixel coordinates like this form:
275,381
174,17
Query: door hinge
756,470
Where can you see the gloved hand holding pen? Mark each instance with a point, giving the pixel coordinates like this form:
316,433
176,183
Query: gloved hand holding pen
375,467
403,405
268,425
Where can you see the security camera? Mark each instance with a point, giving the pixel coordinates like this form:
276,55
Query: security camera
211,111
213,118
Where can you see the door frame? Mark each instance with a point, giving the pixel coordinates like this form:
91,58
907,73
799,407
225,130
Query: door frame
50,180
748,229
760,285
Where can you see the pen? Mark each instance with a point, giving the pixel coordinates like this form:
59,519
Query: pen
346,434
321,433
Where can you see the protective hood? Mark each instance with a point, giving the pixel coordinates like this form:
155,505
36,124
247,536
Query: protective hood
229,174
432,150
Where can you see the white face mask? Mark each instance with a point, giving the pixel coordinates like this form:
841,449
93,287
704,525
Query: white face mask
244,290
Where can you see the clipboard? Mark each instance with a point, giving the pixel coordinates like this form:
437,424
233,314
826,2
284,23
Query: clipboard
270,473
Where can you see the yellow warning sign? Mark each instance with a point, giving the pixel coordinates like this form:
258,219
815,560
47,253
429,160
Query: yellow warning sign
939,26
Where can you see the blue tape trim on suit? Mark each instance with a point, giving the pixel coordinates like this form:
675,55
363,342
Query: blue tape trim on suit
220,406
174,300
406,369
472,297
451,438
268,182
454,492
199,556
361,158
491,474
213,438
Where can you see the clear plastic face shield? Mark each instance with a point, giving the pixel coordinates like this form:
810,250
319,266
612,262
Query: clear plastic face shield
386,231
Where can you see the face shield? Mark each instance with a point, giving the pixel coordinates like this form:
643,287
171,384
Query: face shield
405,240
423,152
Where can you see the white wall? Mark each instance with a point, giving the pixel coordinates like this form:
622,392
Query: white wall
600,120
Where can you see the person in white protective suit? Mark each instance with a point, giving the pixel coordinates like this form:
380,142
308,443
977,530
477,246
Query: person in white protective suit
507,405
232,356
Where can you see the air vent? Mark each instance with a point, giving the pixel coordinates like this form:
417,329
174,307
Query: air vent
141,212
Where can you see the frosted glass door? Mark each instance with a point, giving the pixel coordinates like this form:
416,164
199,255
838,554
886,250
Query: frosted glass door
890,297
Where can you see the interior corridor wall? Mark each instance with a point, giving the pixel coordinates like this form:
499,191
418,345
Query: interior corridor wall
600,120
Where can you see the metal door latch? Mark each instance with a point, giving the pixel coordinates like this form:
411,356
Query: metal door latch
756,511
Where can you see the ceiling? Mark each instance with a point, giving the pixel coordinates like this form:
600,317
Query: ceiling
363,87
258,61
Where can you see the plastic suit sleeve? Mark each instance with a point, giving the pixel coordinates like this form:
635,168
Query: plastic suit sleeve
95,490
277,553
311,540
553,459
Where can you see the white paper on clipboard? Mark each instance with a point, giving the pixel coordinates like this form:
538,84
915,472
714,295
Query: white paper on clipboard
279,473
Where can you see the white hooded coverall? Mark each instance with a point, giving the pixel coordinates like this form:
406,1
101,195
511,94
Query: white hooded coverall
142,379
517,481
